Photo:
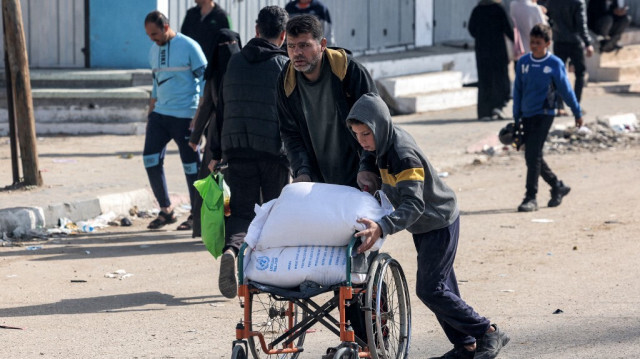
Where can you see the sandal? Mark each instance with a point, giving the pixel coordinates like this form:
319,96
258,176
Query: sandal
186,225
162,220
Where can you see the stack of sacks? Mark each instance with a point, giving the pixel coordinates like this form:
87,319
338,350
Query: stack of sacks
303,234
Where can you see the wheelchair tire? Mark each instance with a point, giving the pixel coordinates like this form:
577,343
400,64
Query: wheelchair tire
268,317
389,325
345,353
238,352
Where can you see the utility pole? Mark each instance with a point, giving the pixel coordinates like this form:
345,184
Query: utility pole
15,45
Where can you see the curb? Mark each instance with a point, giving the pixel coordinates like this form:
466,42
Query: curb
22,219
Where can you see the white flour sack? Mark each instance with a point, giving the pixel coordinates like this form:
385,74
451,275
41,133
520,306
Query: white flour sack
308,213
287,267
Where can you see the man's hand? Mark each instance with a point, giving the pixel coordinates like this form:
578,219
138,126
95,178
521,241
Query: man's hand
579,122
194,146
589,50
368,236
302,178
368,181
212,165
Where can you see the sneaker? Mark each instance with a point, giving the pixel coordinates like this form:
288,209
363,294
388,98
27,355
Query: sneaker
528,205
557,192
227,278
498,114
457,353
490,344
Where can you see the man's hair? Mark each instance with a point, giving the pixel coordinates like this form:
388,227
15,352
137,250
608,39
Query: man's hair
305,24
541,31
156,17
272,21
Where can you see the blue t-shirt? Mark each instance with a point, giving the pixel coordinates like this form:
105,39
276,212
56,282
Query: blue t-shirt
534,90
177,67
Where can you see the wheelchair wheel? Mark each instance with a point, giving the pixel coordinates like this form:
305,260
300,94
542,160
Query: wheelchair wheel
269,316
238,353
389,327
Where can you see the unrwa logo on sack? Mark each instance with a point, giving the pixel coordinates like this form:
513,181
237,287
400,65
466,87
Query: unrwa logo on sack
262,263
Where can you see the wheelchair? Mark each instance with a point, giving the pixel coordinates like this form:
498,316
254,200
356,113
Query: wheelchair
276,319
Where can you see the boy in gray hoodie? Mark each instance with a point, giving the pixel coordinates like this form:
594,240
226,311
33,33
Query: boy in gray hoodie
426,207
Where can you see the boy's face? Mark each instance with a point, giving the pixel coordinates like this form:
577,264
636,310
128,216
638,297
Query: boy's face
364,135
538,46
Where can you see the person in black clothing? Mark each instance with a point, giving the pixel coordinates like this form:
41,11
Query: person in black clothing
488,25
608,18
250,139
203,21
313,7
571,40
227,43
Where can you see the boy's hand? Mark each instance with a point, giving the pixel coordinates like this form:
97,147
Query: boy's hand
368,236
302,178
368,180
579,122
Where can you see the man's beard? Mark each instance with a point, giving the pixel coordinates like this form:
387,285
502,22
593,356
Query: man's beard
308,68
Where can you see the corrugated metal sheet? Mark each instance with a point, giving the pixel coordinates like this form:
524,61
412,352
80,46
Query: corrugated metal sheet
54,31
450,20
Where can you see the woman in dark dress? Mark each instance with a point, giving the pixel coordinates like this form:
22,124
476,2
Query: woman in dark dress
488,25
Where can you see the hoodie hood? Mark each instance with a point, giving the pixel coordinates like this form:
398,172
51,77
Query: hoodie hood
258,50
373,112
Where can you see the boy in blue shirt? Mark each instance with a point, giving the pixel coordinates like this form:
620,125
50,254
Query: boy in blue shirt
539,77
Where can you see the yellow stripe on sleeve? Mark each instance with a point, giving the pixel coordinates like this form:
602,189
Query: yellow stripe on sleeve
411,174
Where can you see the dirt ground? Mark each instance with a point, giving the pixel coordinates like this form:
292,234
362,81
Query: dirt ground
517,269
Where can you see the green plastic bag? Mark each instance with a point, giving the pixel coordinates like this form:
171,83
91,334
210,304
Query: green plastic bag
212,212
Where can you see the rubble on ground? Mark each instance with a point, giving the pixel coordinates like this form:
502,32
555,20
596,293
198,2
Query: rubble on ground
592,137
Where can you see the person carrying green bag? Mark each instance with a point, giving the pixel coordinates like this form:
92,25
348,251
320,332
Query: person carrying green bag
212,213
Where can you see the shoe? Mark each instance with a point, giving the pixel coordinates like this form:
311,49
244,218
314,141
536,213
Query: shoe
557,192
490,344
499,114
486,119
162,220
528,205
457,353
227,278
186,225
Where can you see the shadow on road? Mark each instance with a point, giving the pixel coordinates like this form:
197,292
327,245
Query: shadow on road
488,211
106,245
109,304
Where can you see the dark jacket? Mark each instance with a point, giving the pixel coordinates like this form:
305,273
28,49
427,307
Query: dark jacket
350,80
204,31
422,201
597,9
569,21
248,104
488,25
227,43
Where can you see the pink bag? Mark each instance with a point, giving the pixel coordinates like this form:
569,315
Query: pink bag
515,49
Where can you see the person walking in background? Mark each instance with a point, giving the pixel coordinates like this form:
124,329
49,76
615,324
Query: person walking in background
571,40
250,137
539,74
317,8
427,208
526,14
489,24
227,43
203,24
178,65
608,18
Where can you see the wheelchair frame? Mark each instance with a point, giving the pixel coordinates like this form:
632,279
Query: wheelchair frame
377,314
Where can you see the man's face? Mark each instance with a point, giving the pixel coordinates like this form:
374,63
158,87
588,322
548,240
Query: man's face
305,52
157,34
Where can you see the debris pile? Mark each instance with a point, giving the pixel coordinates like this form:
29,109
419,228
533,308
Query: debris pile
591,137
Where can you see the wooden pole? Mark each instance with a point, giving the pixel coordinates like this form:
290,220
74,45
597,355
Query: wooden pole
13,133
23,103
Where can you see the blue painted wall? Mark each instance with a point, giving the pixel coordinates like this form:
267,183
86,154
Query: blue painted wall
118,39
